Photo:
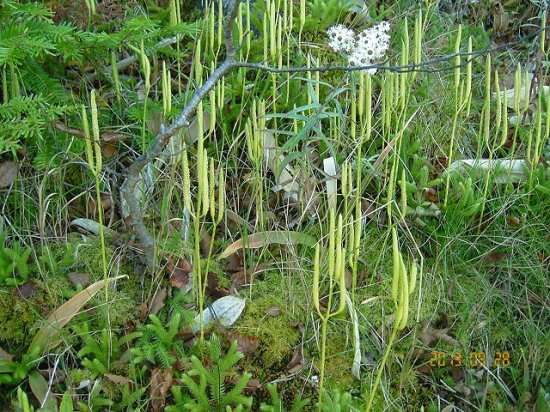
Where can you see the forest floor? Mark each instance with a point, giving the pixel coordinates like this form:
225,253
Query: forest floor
316,239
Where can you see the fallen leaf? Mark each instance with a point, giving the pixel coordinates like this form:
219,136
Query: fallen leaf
119,380
234,263
503,170
245,276
155,118
47,336
368,208
26,290
457,373
158,301
191,132
297,362
142,310
463,389
356,365
161,382
109,149
79,278
5,355
205,244
261,239
430,335
226,310
106,205
424,369
273,311
431,195
213,289
501,19
513,220
245,344
8,173
494,257
180,273
285,175
252,385
110,136
92,226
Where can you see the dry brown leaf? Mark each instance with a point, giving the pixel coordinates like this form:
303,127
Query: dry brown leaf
501,19
244,277
5,355
109,149
245,344
47,337
430,335
106,204
431,195
273,311
424,369
205,244
158,301
110,136
458,373
494,257
213,289
297,362
234,263
261,239
252,385
119,380
142,310
8,173
180,273
79,278
26,290
161,382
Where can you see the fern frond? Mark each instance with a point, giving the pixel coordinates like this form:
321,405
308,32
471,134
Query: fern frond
198,392
38,82
235,396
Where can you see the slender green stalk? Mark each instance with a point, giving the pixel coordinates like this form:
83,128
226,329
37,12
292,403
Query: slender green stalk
95,162
336,274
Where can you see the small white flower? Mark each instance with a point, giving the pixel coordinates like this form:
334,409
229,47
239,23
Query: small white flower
364,49
341,38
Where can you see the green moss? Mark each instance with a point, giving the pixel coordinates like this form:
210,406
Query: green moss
17,318
20,318
277,333
339,359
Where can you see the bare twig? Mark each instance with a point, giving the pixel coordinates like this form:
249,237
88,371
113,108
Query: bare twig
423,66
122,64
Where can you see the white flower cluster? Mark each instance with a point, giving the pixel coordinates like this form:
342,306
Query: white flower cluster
341,38
362,49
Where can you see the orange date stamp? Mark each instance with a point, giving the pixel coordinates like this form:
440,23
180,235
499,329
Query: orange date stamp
471,359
